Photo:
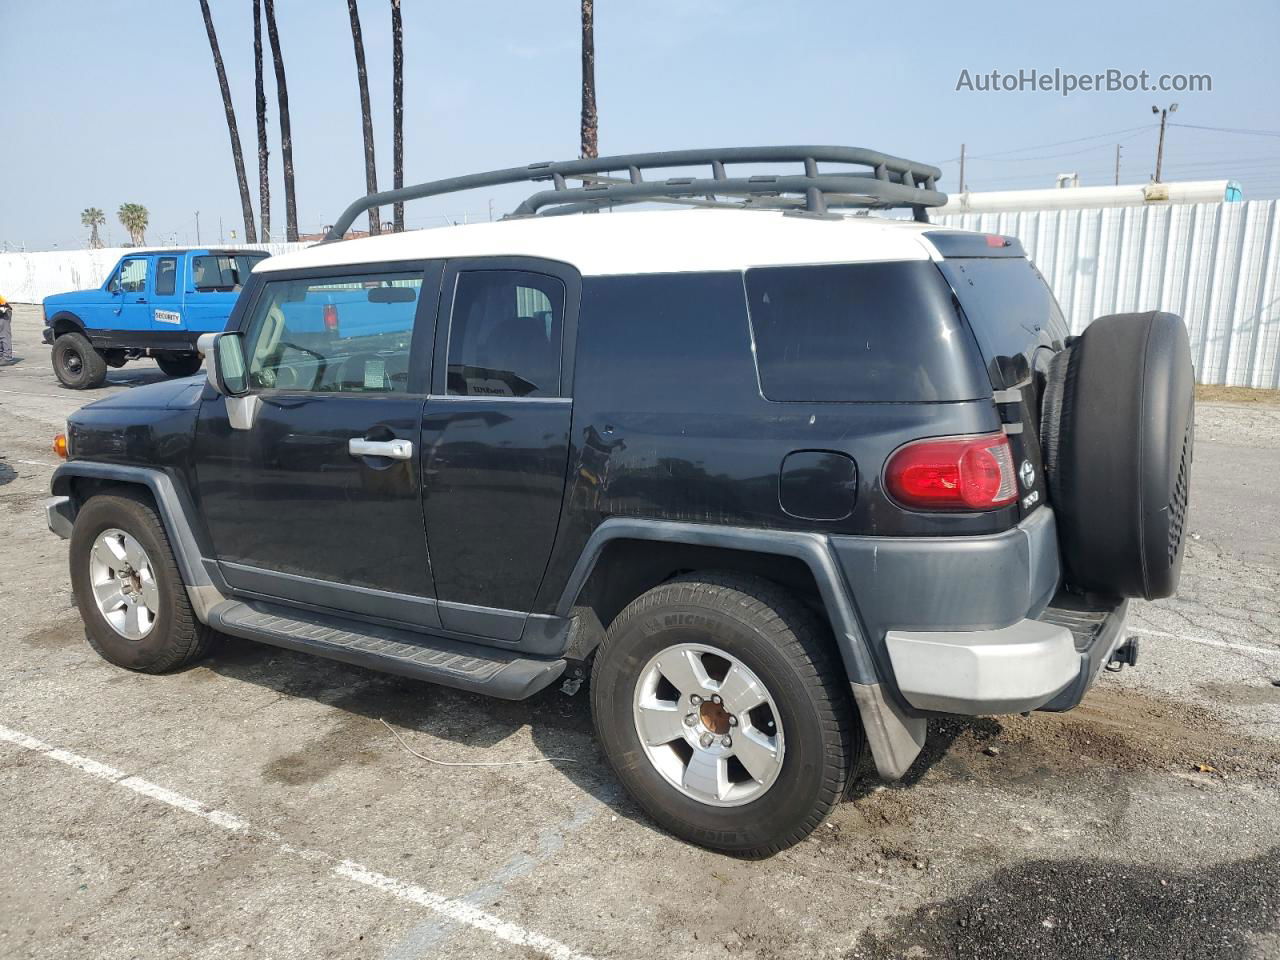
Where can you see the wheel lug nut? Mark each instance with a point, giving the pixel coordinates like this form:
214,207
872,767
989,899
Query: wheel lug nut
695,699
706,740
715,699
690,720
733,721
726,741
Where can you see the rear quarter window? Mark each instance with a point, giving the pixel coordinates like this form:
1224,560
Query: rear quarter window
864,332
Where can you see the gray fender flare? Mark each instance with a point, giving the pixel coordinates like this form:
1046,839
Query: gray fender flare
201,589
894,737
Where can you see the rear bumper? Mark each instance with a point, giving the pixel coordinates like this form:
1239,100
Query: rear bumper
1042,664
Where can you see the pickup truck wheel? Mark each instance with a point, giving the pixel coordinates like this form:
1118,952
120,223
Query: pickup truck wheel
76,363
179,364
722,709
127,585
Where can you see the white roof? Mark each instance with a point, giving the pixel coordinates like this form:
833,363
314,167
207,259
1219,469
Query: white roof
648,241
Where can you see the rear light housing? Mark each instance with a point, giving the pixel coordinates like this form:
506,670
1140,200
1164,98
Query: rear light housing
953,473
330,314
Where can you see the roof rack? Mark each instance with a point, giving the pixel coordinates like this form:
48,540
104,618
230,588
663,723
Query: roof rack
887,182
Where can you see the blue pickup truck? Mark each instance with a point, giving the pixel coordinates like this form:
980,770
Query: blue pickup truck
153,304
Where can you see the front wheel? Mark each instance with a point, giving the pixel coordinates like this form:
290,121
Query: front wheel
126,582
76,363
179,364
721,707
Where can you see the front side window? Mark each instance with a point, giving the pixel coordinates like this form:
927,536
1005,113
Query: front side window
347,334
505,334
166,276
133,276
222,272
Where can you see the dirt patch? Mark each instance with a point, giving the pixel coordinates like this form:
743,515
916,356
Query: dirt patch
1071,909
1113,729
1213,394
57,636
1260,694
349,741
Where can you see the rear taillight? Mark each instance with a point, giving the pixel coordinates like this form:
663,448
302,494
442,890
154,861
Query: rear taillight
953,473
330,313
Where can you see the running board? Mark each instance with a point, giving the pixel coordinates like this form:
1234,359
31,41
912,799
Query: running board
467,666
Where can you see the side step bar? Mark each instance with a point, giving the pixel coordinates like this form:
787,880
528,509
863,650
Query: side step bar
450,663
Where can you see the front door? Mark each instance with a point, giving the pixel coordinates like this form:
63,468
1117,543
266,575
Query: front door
316,498
495,435
133,294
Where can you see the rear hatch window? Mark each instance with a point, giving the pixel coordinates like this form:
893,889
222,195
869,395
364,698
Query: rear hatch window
878,332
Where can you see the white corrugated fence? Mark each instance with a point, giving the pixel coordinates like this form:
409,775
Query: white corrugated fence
1217,265
30,277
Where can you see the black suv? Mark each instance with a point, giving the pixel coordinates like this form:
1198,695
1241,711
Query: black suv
784,482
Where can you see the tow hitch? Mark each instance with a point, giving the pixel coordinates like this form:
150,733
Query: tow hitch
1125,655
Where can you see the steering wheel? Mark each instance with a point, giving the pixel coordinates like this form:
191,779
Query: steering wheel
270,377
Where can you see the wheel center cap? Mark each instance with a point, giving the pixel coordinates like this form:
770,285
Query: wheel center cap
714,717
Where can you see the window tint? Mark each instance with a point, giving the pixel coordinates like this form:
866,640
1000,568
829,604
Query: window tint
504,335
166,276
860,332
222,273
345,334
133,276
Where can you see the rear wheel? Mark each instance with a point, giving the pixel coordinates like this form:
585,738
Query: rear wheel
76,364
127,585
179,364
722,709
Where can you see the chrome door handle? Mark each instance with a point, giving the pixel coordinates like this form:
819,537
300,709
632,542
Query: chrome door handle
395,449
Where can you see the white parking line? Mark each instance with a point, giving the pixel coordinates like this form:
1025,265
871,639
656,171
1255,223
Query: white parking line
455,910
1207,641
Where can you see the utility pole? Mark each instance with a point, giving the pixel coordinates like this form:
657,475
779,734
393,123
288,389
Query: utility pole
1164,116
197,228
1117,164
962,168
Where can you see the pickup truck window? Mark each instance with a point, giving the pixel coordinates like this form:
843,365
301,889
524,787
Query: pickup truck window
166,276
133,275
340,335
222,273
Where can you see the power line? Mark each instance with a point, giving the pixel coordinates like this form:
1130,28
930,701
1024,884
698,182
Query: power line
1240,130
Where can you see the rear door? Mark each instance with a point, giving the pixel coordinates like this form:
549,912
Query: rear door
495,435
317,500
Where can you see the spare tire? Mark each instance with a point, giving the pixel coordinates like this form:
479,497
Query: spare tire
1117,427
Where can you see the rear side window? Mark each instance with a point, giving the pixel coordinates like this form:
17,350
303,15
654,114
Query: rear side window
884,332
222,273
166,276
505,334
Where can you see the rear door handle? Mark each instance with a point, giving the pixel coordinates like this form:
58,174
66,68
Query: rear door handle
395,449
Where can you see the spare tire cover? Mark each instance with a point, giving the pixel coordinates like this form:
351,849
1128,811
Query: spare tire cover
1117,429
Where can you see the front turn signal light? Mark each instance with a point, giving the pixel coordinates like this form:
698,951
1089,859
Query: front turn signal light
60,445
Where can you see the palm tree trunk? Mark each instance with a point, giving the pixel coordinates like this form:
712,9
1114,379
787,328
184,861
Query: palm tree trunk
286,137
397,111
246,205
260,105
590,122
366,117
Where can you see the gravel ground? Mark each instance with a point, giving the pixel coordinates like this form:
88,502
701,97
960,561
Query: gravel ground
254,805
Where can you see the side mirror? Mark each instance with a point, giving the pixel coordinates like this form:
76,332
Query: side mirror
224,364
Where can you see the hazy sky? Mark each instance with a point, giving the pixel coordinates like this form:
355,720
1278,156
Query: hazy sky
108,101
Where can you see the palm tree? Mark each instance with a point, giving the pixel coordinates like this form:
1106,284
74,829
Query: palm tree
134,218
93,218
397,112
260,105
286,137
366,118
246,205
590,123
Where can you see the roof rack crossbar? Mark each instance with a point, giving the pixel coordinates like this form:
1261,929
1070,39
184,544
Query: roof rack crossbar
889,182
